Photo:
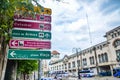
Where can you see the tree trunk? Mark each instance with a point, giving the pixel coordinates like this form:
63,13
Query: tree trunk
1,62
3,58
11,70
3,68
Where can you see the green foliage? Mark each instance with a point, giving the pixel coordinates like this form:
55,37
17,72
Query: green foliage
27,66
7,10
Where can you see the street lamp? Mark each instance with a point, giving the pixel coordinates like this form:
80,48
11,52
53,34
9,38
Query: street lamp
77,50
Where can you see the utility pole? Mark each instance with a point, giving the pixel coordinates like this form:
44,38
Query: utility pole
76,51
94,48
40,69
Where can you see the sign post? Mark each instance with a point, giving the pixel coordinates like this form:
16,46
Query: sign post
28,54
31,34
29,44
31,37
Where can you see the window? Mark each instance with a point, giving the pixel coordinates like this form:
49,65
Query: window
100,58
118,54
59,67
112,36
84,62
62,66
106,57
73,64
90,50
91,60
69,65
65,66
100,47
116,43
118,33
78,62
103,60
115,34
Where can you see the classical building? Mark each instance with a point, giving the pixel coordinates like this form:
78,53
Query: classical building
101,57
45,67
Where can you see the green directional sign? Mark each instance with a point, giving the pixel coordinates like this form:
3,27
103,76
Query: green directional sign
31,34
28,54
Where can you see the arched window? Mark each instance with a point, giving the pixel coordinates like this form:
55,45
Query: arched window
102,57
116,43
93,60
99,58
106,57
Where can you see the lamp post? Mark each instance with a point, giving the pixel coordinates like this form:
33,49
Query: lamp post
77,50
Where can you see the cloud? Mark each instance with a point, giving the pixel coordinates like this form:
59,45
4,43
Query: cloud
72,28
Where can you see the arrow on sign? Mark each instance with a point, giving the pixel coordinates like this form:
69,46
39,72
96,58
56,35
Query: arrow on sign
13,53
14,43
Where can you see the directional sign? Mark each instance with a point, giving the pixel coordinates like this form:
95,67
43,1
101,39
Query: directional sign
31,34
47,11
45,18
38,9
32,25
28,54
29,44
43,10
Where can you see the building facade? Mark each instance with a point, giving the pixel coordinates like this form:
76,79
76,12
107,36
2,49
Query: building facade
101,57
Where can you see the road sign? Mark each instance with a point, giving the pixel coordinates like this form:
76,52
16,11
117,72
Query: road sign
31,34
45,18
28,54
43,10
29,44
47,11
32,25
37,9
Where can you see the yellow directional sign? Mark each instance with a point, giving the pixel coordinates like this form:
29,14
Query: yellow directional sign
47,11
43,10
38,9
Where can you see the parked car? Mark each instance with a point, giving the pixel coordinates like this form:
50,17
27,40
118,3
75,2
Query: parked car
116,72
106,73
59,76
46,78
86,73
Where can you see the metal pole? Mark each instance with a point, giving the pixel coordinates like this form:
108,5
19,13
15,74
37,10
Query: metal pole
40,69
94,48
77,62
76,49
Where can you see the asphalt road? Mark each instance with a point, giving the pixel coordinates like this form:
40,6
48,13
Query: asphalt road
94,78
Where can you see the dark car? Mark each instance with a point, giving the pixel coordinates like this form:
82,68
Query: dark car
107,73
116,72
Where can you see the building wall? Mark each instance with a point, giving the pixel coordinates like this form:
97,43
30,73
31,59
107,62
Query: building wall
104,53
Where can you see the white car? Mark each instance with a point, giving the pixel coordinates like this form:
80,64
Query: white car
47,79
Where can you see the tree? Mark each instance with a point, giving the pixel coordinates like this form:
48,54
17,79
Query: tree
7,10
26,67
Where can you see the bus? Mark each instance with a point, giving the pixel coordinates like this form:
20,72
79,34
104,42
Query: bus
86,73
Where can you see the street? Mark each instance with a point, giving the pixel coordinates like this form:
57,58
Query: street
94,78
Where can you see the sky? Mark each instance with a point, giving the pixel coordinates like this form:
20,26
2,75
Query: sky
81,23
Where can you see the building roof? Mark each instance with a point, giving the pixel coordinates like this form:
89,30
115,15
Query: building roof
115,29
55,52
